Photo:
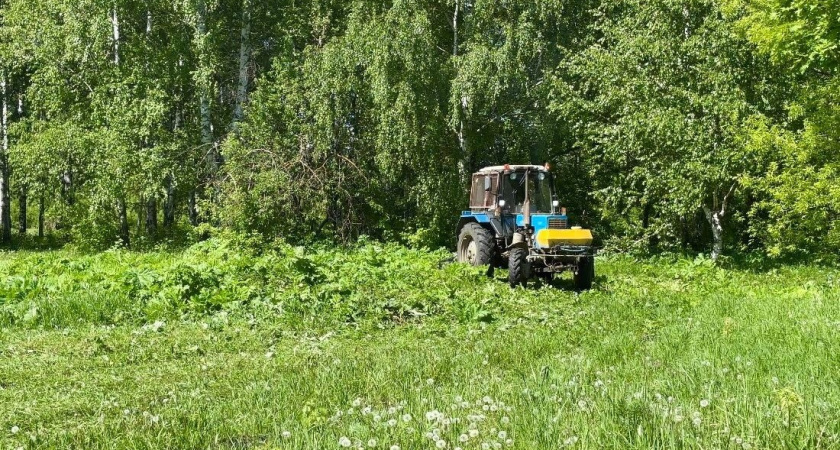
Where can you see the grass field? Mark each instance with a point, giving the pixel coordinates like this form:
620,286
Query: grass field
226,345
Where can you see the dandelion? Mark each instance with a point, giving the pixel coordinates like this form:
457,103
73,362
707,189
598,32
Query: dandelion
582,404
473,433
395,447
15,429
502,434
286,434
463,438
598,383
377,418
509,442
392,422
430,381
505,420
440,444
485,446
704,403
344,441
372,443
487,399
126,411
357,402
678,418
406,418
697,421
366,410
571,440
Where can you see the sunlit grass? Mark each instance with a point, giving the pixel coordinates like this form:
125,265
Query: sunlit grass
661,354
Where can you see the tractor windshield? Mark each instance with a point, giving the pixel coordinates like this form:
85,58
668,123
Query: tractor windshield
539,190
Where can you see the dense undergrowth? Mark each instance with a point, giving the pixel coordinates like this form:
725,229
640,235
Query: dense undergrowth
236,344
370,283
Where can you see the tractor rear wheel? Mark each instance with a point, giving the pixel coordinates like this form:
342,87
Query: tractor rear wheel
518,267
585,274
476,245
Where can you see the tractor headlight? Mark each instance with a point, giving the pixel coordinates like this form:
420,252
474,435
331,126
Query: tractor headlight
502,203
556,203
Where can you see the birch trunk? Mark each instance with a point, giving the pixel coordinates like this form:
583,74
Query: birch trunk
41,208
244,62
204,96
715,219
151,216
169,203
125,235
464,160
22,219
5,197
115,27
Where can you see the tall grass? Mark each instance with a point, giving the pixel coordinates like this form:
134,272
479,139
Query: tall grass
225,347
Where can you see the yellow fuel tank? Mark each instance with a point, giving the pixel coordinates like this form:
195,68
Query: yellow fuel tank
575,236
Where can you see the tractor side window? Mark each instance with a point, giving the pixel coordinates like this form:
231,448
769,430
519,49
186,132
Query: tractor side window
483,191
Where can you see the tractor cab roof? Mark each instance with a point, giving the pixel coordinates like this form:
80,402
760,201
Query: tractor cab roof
492,169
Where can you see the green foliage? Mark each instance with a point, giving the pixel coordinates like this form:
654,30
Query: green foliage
670,124
664,352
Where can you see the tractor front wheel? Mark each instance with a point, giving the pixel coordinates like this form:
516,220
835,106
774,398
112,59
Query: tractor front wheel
518,267
476,246
585,273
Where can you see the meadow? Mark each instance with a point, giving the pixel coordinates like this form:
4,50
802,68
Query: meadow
234,344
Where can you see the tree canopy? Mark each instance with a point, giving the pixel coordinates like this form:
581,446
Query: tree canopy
671,125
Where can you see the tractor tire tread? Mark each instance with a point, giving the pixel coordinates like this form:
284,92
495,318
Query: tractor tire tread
484,242
516,267
585,274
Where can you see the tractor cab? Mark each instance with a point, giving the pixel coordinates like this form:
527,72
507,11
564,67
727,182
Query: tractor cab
515,210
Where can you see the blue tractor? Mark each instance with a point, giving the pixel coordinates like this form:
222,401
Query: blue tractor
515,221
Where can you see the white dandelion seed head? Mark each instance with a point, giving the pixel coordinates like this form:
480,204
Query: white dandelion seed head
430,381
406,418
697,421
509,442
505,420
494,408
502,434
485,446
704,403
377,418
678,418
463,438
357,402
497,445
286,434
395,447
487,399
15,429
372,443
344,441
473,432
392,422
440,444
366,410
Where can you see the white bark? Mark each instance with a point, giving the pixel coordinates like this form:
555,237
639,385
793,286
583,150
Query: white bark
715,219
464,160
244,62
5,197
204,96
115,25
